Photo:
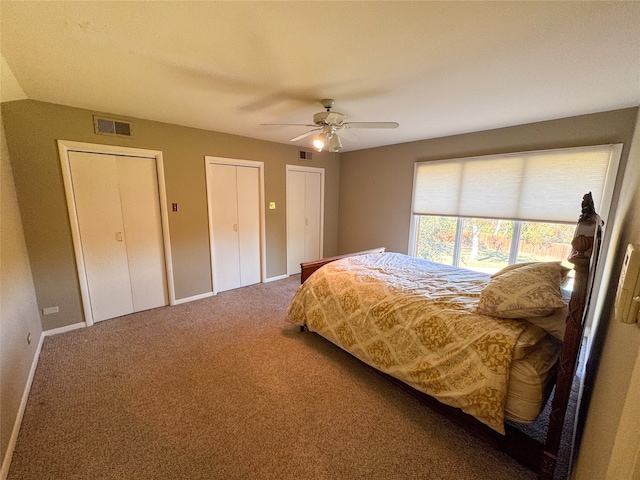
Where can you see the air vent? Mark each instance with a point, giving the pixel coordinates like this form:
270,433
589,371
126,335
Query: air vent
109,126
304,154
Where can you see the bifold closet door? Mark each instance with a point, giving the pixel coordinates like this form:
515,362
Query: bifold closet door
224,220
235,221
118,212
304,212
313,212
248,182
138,181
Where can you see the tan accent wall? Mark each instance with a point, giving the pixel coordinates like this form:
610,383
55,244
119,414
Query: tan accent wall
384,177
611,439
32,129
19,316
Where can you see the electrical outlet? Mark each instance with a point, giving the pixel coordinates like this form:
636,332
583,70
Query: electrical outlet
50,310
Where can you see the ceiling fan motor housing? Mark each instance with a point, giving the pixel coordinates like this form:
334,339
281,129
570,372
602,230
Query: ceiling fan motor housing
328,118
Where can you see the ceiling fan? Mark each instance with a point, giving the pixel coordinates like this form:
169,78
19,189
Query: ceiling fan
328,124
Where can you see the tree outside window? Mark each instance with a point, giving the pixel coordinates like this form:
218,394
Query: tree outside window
490,244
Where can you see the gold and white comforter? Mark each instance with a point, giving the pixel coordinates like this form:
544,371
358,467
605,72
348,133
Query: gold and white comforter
415,320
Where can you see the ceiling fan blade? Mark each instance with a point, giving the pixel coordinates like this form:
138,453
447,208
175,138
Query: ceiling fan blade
288,124
347,134
306,134
371,125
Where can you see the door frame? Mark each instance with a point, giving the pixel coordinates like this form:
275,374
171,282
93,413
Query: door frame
238,163
302,168
66,146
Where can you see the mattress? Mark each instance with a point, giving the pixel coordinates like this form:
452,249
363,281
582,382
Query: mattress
531,380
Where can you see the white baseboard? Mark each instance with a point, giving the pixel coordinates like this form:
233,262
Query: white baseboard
195,297
6,462
66,328
273,279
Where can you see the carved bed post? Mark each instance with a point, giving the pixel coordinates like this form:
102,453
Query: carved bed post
585,245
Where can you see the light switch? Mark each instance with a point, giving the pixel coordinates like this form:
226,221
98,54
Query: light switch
272,205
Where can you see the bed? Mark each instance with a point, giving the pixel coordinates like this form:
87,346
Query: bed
486,349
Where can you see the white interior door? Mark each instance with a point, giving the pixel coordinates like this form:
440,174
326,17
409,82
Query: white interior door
313,215
137,178
236,222
248,189
305,198
118,211
223,205
99,211
296,219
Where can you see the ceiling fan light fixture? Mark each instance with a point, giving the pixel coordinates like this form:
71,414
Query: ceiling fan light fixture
318,142
329,123
334,143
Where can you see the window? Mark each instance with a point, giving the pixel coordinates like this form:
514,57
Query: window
491,211
490,244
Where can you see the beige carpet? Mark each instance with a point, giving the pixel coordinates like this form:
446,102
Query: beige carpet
224,388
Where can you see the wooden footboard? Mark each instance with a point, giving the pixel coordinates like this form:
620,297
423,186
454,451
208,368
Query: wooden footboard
308,268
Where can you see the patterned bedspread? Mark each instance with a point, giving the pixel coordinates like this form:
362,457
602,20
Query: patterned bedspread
415,320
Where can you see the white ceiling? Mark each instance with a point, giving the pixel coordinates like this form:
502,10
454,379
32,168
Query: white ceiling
437,68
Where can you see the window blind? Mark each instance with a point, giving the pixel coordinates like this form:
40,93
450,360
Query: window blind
545,185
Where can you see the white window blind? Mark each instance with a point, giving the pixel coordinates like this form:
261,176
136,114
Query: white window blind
545,185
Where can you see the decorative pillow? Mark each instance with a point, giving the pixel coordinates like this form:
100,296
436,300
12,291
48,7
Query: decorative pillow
527,291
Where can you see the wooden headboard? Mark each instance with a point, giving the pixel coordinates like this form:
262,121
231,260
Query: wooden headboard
584,257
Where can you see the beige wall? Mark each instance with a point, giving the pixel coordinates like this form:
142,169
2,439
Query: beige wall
32,129
18,309
384,177
611,438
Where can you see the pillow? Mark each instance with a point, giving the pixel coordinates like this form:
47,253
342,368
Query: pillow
564,270
526,291
554,324
528,341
